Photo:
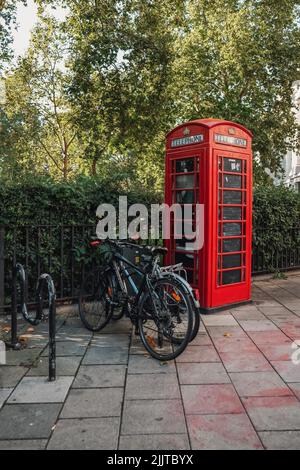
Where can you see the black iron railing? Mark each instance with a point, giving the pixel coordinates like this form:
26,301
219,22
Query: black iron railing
275,250
59,250
63,252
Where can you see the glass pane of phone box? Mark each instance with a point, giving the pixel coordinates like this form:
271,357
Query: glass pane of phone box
185,181
231,245
231,277
232,197
231,261
186,259
232,213
233,165
186,165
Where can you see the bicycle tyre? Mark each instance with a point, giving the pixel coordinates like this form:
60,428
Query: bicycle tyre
93,296
196,313
173,351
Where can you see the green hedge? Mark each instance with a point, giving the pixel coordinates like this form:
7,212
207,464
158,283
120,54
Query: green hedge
44,201
276,229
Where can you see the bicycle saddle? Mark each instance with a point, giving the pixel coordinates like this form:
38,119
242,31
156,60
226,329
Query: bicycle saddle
159,250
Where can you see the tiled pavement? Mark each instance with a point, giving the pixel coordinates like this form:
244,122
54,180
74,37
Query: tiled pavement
235,387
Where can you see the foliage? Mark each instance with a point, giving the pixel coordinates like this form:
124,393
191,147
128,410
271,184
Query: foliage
237,60
7,22
40,122
276,221
43,201
130,70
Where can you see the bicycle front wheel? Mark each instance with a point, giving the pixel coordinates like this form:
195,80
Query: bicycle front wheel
95,308
165,320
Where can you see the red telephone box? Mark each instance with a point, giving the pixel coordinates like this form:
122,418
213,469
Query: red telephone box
209,162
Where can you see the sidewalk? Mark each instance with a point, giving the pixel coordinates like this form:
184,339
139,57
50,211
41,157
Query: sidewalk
235,387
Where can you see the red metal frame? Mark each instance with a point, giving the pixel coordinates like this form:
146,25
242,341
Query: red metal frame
222,181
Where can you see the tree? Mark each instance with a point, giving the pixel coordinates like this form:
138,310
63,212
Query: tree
37,106
122,53
7,22
238,60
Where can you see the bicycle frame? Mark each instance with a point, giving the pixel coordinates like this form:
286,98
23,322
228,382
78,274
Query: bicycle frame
126,275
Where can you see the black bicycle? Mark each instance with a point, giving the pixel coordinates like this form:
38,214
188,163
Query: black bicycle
158,307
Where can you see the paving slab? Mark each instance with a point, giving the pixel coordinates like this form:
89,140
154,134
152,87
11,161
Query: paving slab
85,434
4,394
202,339
267,303
100,376
292,330
155,442
28,421
93,403
245,315
274,352
250,307
222,432
136,345
153,417
258,325
235,345
287,370
40,390
202,373
280,440
226,331
269,337
10,376
65,366
295,388
121,326
244,362
273,413
37,444
112,340
219,320
274,311
210,399
147,365
152,386
66,333
199,354
112,355
68,348
259,384
25,358
34,340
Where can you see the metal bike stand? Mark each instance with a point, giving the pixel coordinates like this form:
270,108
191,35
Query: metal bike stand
18,270
46,280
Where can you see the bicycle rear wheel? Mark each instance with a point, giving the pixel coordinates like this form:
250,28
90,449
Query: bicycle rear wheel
195,310
161,320
95,308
